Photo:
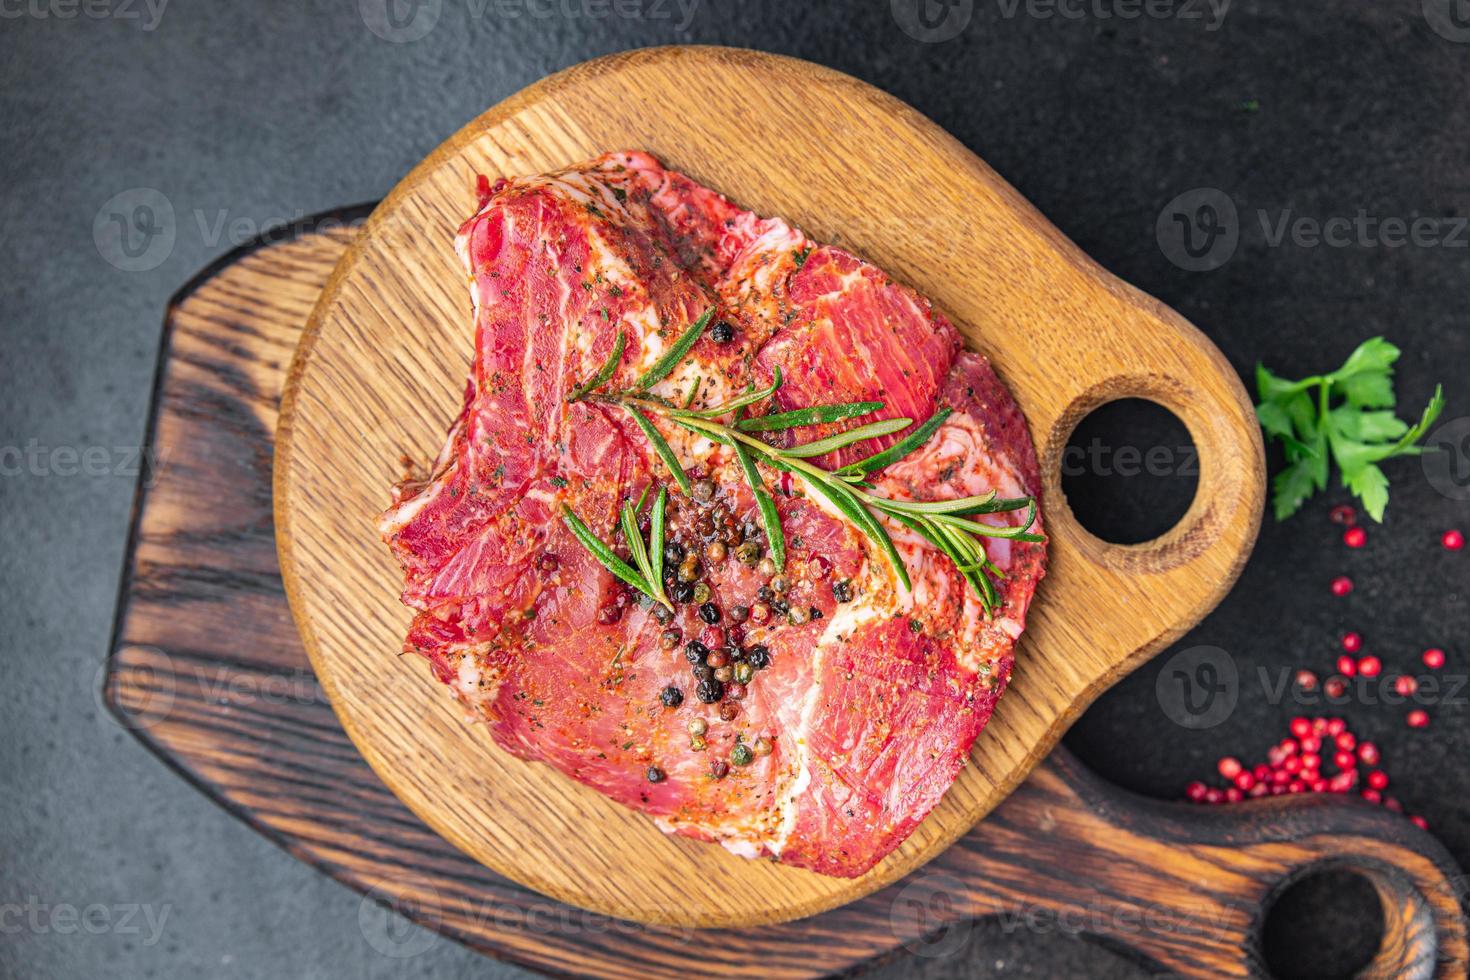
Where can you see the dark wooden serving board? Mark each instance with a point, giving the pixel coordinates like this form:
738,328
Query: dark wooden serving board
208,671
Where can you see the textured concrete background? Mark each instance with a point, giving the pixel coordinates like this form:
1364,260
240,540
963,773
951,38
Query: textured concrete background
236,116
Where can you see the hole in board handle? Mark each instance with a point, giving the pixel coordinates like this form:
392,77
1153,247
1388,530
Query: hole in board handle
1129,471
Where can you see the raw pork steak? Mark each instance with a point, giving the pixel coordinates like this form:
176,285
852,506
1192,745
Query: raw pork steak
867,698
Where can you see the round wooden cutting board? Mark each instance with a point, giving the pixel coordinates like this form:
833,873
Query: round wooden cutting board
382,364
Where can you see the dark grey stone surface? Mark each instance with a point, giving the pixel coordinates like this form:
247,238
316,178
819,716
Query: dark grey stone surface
244,115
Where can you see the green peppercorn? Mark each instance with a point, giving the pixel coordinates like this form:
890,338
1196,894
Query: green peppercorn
743,673
740,755
701,593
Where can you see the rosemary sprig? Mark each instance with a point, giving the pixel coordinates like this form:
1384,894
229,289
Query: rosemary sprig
872,430
604,373
676,353
944,524
742,401
807,416
646,572
770,520
897,451
661,446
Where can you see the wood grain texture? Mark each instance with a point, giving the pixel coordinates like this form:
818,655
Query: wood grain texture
208,671
382,364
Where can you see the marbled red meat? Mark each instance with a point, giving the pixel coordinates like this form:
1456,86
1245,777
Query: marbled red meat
871,705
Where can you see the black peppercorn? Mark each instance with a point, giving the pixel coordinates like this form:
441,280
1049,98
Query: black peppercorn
842,591
695,652
709,691
671,696
682,592
673,553
655,774
722,332
758,656
710,613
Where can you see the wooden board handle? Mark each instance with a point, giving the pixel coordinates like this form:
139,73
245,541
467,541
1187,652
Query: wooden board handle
1186,888
1168,361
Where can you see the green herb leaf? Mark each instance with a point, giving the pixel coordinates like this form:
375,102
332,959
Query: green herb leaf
1373,356
852,508
770,520
603,553
872,430
656,539
749,398
674,354
662,447
978,504
1274,419
1356,434
1367,390
635,540
604,373
807,416
901,448
1371,487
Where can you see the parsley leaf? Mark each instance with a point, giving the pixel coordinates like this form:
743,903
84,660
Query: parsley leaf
1357,434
